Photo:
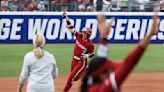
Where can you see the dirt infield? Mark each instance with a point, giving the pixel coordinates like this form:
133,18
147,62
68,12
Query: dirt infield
137,82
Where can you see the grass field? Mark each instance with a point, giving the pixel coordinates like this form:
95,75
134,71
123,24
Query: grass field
11,57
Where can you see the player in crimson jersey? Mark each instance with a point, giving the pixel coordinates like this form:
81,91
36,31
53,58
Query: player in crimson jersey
83,49
101,75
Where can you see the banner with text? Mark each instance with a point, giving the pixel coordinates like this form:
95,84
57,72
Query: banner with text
21,27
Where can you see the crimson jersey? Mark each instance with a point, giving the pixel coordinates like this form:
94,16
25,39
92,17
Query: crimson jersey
82,47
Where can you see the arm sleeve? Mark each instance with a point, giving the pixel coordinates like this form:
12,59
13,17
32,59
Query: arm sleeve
25,71
114,64
72,29
121,70
128,64
70,26
102,50
55,69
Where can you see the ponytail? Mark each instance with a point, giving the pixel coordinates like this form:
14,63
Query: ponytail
39,42
38,52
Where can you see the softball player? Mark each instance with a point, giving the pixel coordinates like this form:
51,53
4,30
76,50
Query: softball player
101,76
83,49
39,67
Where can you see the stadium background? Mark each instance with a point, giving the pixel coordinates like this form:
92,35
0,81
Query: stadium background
147,77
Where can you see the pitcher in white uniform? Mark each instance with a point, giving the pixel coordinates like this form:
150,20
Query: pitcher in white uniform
39,67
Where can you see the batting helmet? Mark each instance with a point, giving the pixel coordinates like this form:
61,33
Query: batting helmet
87,31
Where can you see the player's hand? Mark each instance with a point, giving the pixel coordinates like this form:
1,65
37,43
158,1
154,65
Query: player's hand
64,15
85,56
154,29
20,86
104,28
19,89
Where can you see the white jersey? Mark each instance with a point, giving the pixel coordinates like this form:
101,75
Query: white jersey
39,72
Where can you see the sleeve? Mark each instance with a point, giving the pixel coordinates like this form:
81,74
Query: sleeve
114,64
102,50
55,68
122,70
128,64
70,26
72,29
77,35
25,71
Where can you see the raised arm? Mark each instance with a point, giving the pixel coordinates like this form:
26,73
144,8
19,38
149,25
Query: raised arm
134,56
69,25
130,60
104,30
114,64
153,30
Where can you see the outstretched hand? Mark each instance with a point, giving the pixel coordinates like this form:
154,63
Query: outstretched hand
19,89
64,15
104,28
154,29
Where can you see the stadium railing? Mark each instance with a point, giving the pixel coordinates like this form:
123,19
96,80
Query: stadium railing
114,6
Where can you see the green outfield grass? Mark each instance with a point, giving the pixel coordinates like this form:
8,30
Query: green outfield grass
11,57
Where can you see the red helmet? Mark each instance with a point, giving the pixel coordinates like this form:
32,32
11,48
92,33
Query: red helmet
87,31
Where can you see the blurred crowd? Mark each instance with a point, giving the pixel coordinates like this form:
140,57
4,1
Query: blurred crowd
81,5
